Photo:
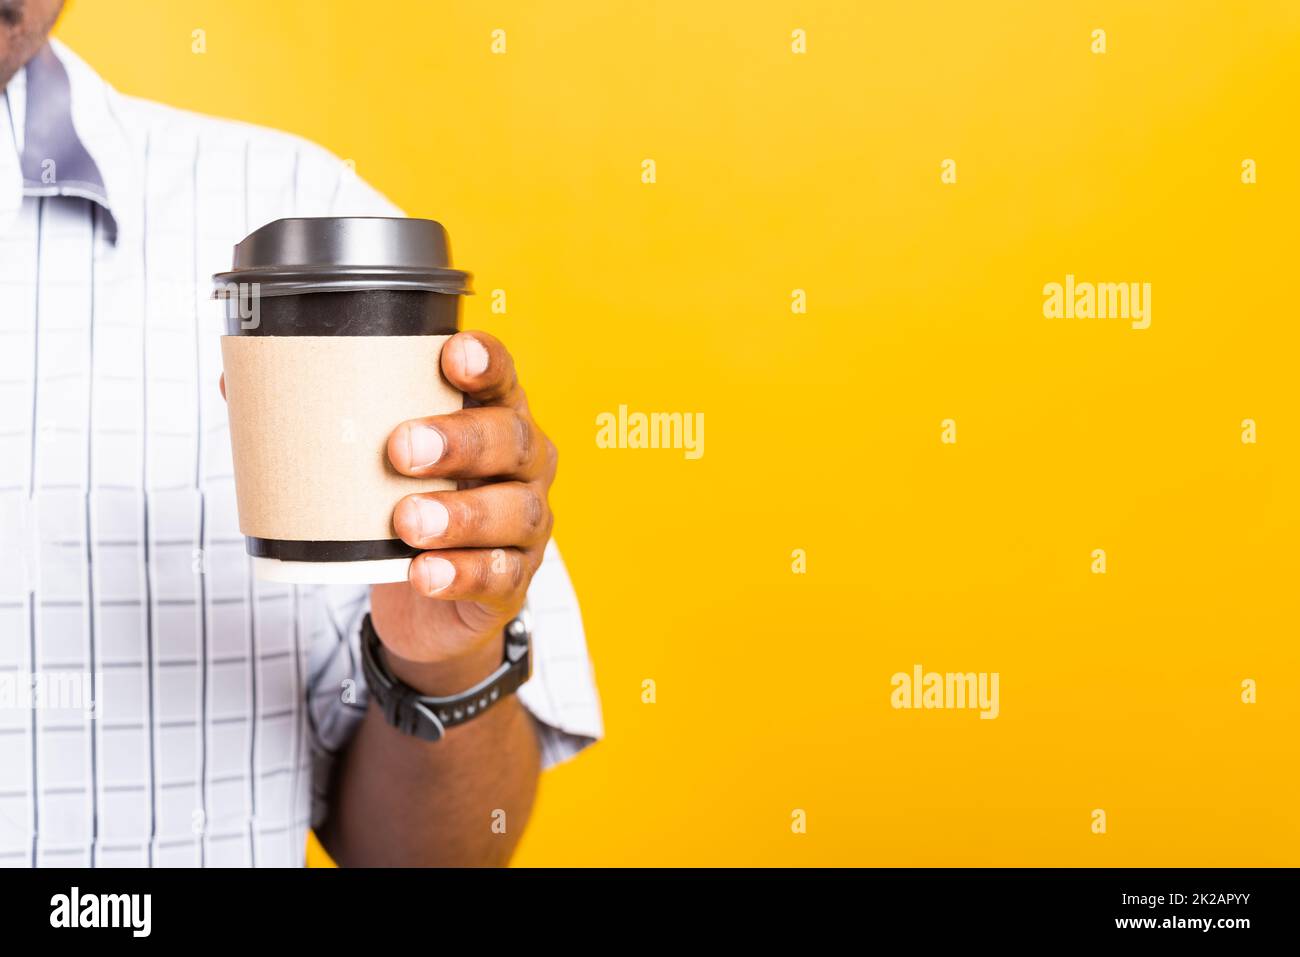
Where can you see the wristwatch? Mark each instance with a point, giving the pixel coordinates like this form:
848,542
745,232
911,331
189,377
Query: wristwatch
429,717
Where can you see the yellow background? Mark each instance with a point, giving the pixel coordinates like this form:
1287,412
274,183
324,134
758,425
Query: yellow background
820,172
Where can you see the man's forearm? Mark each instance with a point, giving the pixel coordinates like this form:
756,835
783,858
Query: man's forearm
399,801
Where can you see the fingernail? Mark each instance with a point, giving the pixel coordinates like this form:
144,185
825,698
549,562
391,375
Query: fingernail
433,517
434,574
421,519
424,446
473,356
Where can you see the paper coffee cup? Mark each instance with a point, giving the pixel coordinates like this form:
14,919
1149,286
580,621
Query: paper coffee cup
335,328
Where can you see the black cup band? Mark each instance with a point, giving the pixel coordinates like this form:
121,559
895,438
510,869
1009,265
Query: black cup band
369,312
368,551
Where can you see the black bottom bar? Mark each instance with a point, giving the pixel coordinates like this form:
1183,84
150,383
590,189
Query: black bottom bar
981,909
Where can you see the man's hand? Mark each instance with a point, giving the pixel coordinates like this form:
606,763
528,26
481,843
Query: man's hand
442,632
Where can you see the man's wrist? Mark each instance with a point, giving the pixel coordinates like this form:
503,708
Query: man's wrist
453,675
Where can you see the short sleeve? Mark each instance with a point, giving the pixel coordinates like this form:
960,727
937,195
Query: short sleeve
561,694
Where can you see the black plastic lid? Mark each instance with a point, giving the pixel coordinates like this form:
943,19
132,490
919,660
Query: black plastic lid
339,254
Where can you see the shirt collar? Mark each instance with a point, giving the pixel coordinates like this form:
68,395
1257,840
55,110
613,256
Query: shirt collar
66,135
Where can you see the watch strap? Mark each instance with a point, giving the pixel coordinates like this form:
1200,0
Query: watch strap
428,717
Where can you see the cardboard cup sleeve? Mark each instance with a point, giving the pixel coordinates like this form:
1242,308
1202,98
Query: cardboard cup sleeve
310,418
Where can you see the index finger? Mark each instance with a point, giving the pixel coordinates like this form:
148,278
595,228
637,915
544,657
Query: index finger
481,367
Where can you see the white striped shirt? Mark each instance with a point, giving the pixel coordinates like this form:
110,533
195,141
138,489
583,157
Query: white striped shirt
220,698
